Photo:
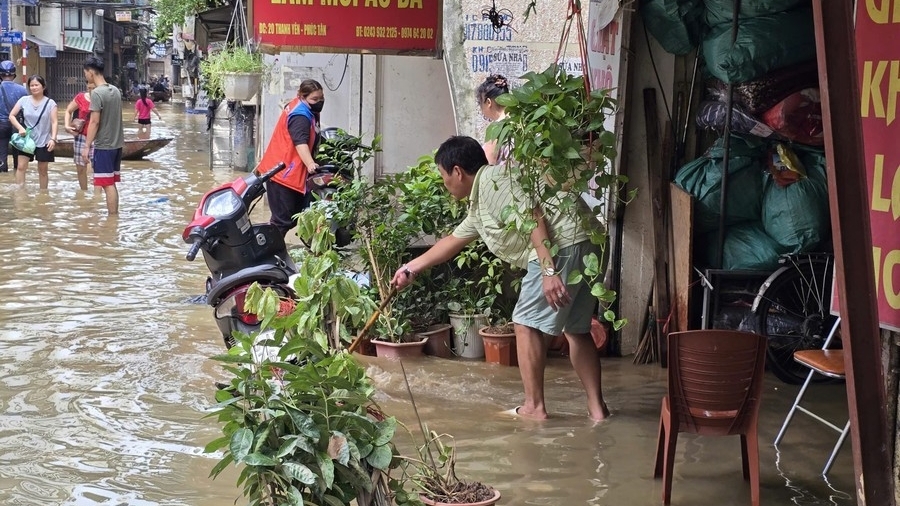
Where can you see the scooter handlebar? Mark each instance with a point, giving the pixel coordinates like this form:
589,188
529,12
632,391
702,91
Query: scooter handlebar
195,248
275,170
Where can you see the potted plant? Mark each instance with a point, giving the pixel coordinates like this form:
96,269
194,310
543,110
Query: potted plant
472,293
394,337
301,423
500,337
559,153
434,477
233,72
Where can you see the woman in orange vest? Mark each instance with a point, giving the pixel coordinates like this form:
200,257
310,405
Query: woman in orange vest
294,141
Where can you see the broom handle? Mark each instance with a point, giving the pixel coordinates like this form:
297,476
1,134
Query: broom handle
365,330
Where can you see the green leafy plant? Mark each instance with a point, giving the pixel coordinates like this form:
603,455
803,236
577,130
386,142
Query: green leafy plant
478,281
231,59
297,414
562,151
434,473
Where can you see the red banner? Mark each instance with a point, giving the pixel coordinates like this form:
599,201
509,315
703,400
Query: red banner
376,26
878,61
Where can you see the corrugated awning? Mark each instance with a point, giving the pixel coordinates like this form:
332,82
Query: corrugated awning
84,44
46,49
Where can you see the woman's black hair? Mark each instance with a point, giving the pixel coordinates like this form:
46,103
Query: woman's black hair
39,79
463,152
492,87
143,93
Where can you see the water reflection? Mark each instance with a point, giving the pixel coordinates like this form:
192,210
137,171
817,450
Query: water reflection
106,377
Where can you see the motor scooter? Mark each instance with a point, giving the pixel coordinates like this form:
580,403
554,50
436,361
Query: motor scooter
335,171
238,252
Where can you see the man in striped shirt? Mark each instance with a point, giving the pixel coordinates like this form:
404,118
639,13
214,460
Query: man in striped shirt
546,307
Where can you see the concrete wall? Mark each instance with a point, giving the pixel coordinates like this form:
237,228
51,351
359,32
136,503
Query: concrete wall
404,99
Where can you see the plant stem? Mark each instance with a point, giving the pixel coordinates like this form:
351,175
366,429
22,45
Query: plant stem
419,418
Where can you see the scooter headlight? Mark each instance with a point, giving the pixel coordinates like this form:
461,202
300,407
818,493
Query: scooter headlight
222,203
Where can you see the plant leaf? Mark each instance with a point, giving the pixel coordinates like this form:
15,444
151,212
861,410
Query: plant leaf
300,473
241,443
326,466
258,459
380,458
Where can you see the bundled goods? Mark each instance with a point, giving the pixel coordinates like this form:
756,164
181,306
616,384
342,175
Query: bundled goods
796,215
719,12
676,24
763,44
747,246
759,95
702,178
798,118
784,165
712,114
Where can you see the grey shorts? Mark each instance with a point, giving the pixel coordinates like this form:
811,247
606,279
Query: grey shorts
533,310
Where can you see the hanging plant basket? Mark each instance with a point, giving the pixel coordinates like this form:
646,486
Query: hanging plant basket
240,85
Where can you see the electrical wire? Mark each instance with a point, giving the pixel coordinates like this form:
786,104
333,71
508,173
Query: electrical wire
343,74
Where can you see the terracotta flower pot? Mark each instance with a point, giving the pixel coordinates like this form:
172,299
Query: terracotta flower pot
439,343
399,350
499,348
489,502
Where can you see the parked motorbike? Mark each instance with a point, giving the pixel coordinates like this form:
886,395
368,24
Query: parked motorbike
238,252
335,171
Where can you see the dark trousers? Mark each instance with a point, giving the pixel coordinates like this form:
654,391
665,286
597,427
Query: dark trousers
6,131
285,203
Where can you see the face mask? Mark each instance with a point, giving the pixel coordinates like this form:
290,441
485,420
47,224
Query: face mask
317,107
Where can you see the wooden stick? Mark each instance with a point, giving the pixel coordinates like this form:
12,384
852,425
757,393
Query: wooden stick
365,330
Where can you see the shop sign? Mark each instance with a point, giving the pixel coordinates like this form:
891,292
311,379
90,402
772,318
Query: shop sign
123,16
11,38
377,26
176,60
878,68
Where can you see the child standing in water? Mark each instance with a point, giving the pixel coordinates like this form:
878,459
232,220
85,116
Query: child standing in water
142,109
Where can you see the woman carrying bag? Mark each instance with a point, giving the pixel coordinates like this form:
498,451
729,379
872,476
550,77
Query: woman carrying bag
80,107
40,115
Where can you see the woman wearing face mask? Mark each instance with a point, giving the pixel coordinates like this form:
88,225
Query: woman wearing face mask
487,93
294,142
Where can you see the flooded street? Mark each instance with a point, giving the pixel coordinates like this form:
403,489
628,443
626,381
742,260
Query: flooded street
105,375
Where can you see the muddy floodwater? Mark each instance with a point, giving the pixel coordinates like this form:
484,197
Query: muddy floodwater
105,374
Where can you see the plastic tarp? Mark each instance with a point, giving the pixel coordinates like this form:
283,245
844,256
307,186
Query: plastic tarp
764,43
702,178
796,216
676,24
747,246
721,11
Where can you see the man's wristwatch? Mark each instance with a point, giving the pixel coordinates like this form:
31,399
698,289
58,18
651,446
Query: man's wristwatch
549,271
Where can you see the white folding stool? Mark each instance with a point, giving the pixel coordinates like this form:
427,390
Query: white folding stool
827,363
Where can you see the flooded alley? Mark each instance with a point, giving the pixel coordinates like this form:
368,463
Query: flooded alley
105,376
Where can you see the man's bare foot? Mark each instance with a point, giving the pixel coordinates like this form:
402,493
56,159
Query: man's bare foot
531,414
521,412
602,415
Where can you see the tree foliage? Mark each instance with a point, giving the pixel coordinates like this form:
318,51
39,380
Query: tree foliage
172,12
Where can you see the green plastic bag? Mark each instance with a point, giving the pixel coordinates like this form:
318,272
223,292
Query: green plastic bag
747,246
796,216
763,44
676,24
702,178
720,11
23,143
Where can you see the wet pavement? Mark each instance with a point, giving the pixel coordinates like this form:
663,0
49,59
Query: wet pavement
105,377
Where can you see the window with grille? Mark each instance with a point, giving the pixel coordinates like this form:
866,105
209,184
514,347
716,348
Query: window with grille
32,16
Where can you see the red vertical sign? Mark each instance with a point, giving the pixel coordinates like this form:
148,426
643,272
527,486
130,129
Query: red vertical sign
878,61
378,26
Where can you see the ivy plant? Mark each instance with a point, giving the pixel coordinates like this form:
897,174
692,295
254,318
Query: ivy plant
560,152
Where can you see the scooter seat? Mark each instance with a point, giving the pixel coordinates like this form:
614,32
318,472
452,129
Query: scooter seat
267,273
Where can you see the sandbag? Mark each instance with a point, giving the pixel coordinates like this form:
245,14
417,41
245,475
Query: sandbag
796,216
747,246
721,11
798,118
763,44
676,24
711,115
702,178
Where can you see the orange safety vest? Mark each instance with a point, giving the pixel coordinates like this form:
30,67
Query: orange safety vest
281,149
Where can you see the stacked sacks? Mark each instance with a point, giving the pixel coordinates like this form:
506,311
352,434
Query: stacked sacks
764,219
764,43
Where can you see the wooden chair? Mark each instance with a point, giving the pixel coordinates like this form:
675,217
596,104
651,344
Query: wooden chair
828,363
715,383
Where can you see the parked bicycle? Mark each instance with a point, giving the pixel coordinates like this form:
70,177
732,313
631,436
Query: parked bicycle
793,309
